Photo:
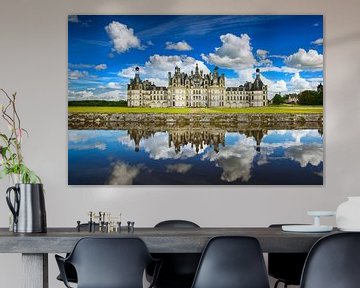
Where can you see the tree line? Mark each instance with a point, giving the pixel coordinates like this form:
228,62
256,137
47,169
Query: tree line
98,103
307,97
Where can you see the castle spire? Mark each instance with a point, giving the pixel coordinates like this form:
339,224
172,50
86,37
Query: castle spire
257,73
137,75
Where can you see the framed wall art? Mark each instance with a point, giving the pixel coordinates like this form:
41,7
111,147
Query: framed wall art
195,100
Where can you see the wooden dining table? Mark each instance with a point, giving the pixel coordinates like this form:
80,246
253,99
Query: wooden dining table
35,247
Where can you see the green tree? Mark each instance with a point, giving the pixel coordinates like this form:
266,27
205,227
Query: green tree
277,100
99,103
309,97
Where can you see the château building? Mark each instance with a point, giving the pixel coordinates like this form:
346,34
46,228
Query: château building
196,90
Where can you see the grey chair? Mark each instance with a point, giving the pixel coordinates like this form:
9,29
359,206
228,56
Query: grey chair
333,262
232,262
108,263
178,269
286,267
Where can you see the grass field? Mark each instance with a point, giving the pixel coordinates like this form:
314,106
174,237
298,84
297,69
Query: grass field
270,109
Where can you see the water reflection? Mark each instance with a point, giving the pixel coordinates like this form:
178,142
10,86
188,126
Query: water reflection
196,154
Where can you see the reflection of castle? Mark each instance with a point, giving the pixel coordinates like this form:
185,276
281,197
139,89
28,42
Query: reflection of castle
137,135
196,90
199,138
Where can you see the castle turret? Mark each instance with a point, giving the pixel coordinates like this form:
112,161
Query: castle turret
320,88
137,75
197,69
258,84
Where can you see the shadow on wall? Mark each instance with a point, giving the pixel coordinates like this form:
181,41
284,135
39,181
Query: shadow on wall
345,39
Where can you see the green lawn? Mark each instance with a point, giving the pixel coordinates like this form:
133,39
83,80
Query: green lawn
270,109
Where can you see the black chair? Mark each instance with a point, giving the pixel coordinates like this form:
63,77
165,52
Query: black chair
70,271
232,262
108,263
333,262
286,267
178,269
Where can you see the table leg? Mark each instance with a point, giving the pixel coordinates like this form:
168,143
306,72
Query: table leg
35,270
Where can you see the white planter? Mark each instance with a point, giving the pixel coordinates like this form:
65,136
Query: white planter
348,215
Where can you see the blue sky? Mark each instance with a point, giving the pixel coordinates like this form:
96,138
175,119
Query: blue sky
104,50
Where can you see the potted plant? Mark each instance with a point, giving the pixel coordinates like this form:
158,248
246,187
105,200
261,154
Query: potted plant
26,197
12,161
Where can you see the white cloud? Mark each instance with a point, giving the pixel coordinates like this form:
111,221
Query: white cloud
263,57
81,147
73,19
235,52
149,43
306,154
299,84
310,60
113,95
181,168
97,67
277,56
277,87
122,37
114,85
318,42
80,95
158,81
124,174
76,136
157,67
262,54
179,46
283,69
100,67
235,160
295,148
77,74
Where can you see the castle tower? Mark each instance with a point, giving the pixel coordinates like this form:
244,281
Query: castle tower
197,69
258,84
137,75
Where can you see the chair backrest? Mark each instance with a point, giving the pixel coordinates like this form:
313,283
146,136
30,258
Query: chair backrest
333,262
110,262
178,267
232,262
176,224
286,266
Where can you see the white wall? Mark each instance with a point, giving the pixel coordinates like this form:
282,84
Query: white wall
33,62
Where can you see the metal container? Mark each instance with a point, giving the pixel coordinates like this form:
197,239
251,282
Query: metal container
28,207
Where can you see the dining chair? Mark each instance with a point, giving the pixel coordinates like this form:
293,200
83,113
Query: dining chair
286,267
333,262
108,263
232,262
178,269
70,271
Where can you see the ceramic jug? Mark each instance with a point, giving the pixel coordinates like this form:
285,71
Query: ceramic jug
348,215
27,207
